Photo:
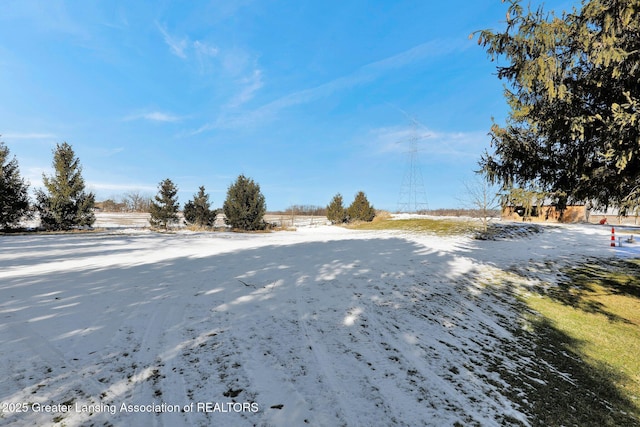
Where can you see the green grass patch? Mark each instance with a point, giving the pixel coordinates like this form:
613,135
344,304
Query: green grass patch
588,330
421,225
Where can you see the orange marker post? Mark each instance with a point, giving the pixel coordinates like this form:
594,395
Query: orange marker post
613,237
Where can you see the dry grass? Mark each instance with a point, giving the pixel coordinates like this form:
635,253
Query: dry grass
382,216
420,225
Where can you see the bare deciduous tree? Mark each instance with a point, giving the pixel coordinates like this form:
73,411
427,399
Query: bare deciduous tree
482,197
137,202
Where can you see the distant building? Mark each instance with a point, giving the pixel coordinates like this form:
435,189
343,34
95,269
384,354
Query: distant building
572,214
546,213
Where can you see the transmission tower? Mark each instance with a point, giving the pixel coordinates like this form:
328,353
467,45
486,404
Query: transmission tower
413,196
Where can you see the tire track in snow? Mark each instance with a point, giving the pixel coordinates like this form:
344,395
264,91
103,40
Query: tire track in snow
315,343
265,362
54,379
404,382
138,368
464,330
426,379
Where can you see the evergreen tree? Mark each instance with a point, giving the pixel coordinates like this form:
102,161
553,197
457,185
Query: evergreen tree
245,205
65,204
164,206
336,213
198,212
361,209
14,200
572,84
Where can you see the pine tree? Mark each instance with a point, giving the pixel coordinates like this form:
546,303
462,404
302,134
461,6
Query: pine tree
572,87
198,212
65,204
336,213
245,205
14,200
361,209
164,206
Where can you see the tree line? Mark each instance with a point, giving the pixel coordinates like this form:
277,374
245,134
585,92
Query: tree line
302,210
130,202
244,208
65,204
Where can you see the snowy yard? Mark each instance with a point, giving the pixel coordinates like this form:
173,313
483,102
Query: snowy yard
322,326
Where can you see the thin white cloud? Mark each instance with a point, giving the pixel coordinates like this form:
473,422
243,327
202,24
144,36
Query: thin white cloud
236,61
177,45
250,85
205,49
33,175
183,47
398,138
157,116
458,144
204,54
123,188
154,116
363,75
430,144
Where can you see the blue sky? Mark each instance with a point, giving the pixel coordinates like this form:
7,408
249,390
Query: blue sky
308,98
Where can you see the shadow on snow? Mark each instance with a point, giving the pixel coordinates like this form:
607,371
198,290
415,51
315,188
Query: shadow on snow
341,332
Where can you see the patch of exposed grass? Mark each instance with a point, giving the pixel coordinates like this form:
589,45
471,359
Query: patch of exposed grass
587,339
561,386
421,225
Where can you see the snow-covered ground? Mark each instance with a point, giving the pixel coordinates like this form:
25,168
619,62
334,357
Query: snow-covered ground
322,326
